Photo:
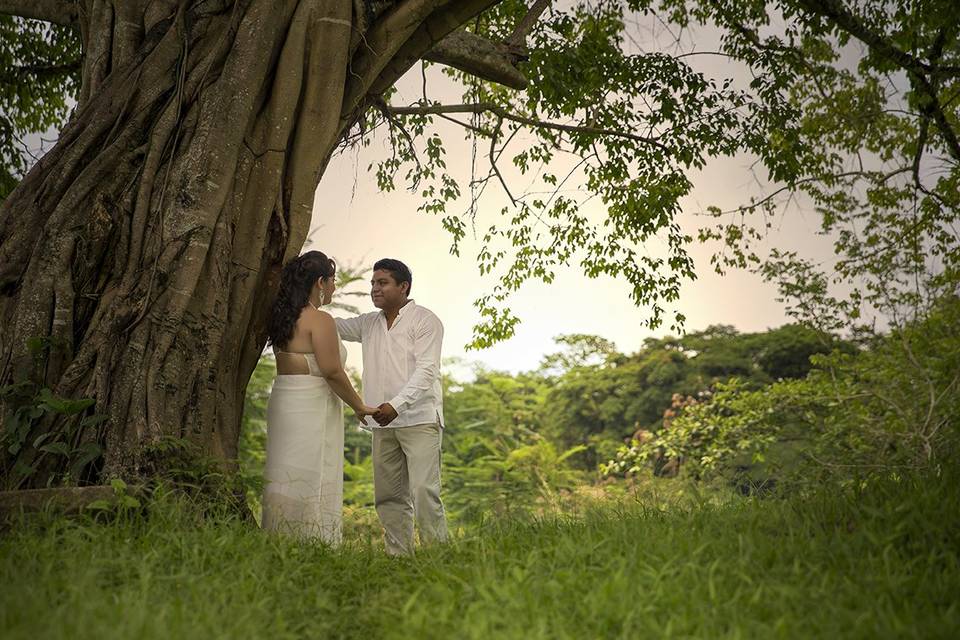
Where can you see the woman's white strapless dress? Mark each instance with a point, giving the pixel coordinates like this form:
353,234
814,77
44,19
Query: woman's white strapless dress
303,492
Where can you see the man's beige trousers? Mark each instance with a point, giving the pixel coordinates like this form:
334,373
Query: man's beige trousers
406,485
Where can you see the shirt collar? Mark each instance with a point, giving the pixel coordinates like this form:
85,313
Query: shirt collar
402,311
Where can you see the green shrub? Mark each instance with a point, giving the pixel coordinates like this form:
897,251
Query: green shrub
893,407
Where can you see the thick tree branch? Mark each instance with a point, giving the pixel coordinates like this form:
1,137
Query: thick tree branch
391,47
481,107
839,15
479,57
438,26
43,71
63,12
493,61
519,36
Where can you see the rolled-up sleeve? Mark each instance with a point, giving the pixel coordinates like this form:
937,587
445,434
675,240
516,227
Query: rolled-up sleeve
427,348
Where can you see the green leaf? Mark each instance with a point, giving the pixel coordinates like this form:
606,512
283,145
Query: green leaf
94,420
24,470
100,505
61,448
24,387
571,451
64,406
41,438
86,453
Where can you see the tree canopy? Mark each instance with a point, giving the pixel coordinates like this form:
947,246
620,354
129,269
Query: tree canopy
850,107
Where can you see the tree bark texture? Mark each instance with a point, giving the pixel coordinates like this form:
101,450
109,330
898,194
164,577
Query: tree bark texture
145,247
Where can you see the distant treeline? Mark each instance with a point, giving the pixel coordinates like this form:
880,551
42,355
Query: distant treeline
592,395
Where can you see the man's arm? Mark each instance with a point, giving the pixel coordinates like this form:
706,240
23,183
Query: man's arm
350,329
426,347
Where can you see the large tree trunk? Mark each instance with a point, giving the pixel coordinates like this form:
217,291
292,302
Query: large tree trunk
140,256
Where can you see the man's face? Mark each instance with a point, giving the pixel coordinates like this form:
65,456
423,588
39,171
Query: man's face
385,291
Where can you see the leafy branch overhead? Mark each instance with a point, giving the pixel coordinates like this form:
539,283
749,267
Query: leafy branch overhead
144,241
611,129
634,125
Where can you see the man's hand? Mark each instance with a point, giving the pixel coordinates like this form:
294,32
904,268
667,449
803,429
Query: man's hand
385,414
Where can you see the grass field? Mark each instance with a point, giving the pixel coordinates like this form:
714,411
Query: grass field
884,563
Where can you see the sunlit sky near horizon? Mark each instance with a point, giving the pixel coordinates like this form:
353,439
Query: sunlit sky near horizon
357,224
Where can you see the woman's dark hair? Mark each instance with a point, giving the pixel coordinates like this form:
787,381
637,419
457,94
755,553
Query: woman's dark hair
399,271
296,281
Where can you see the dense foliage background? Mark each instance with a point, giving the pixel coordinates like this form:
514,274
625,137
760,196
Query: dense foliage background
778,412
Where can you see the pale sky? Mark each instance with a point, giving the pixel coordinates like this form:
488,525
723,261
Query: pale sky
358,225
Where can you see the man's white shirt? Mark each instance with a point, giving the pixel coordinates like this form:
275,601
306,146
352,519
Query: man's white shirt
401,365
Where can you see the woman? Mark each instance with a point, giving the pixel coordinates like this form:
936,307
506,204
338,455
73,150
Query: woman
304,471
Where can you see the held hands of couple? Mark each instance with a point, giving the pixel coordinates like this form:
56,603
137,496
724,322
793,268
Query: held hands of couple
384,414
363,412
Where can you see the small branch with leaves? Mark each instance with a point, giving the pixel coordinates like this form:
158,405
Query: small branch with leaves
489,107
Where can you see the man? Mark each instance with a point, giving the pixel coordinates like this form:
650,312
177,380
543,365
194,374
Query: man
401,376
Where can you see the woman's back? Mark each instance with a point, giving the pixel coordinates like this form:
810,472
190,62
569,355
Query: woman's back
297,356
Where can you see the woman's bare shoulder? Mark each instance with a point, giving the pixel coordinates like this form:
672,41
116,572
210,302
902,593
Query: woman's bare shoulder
316,317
